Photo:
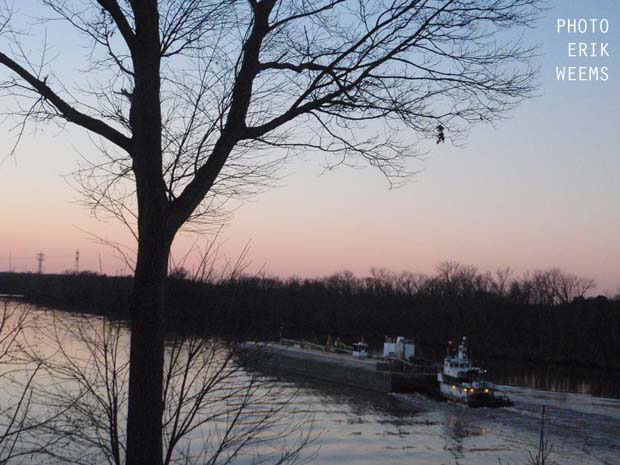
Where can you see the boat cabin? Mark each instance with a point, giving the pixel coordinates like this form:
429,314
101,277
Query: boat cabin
360,349
398,347
458,365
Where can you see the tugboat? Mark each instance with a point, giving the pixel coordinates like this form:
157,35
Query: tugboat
460,381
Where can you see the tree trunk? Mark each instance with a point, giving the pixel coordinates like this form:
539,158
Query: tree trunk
145,403
146,363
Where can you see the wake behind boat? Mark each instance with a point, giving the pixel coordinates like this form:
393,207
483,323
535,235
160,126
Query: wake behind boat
460,381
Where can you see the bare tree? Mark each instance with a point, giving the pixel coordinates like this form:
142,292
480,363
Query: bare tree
458,280
409,283
554,286
192,100
502,281
543,452
11,326
215,411
17,382
568,286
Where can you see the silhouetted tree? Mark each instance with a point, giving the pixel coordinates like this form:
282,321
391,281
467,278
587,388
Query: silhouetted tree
501,283
16,420
12,417
214,410
194,97
554,286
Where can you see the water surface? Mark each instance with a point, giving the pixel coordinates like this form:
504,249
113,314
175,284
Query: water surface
362,428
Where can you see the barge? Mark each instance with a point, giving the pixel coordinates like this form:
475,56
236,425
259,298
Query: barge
395,371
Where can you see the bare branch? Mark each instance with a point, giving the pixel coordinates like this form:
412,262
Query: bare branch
65,110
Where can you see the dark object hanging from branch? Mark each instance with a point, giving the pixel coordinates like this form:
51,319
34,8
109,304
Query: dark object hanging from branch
440,134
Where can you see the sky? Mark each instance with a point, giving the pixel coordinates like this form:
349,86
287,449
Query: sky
538,190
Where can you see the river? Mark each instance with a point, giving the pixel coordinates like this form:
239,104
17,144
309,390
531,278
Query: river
413,429
582,423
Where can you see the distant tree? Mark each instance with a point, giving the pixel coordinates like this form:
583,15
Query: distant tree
554,286
380,281
458,280
410,283
568,286
344,282
502,281
193,101
520,292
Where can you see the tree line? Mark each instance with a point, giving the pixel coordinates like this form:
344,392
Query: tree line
546,315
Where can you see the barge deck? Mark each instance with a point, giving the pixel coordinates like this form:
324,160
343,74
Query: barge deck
375,374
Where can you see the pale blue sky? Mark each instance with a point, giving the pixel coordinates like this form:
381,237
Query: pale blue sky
539,190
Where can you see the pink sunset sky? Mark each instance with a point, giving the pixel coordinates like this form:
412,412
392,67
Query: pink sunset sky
539,190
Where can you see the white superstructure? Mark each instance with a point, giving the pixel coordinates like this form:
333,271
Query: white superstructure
360,349
461,381
398,347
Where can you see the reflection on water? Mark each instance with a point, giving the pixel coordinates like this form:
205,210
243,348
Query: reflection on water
365,428
77,398
596,382
370,429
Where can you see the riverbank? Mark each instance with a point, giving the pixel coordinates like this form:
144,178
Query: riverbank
583,333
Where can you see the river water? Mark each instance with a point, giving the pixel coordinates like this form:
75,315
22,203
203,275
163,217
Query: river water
582,423
413,429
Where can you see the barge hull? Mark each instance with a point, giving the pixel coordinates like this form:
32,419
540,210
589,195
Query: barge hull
361,374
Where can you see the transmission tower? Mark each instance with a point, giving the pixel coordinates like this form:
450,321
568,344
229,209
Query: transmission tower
40,260
77,261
